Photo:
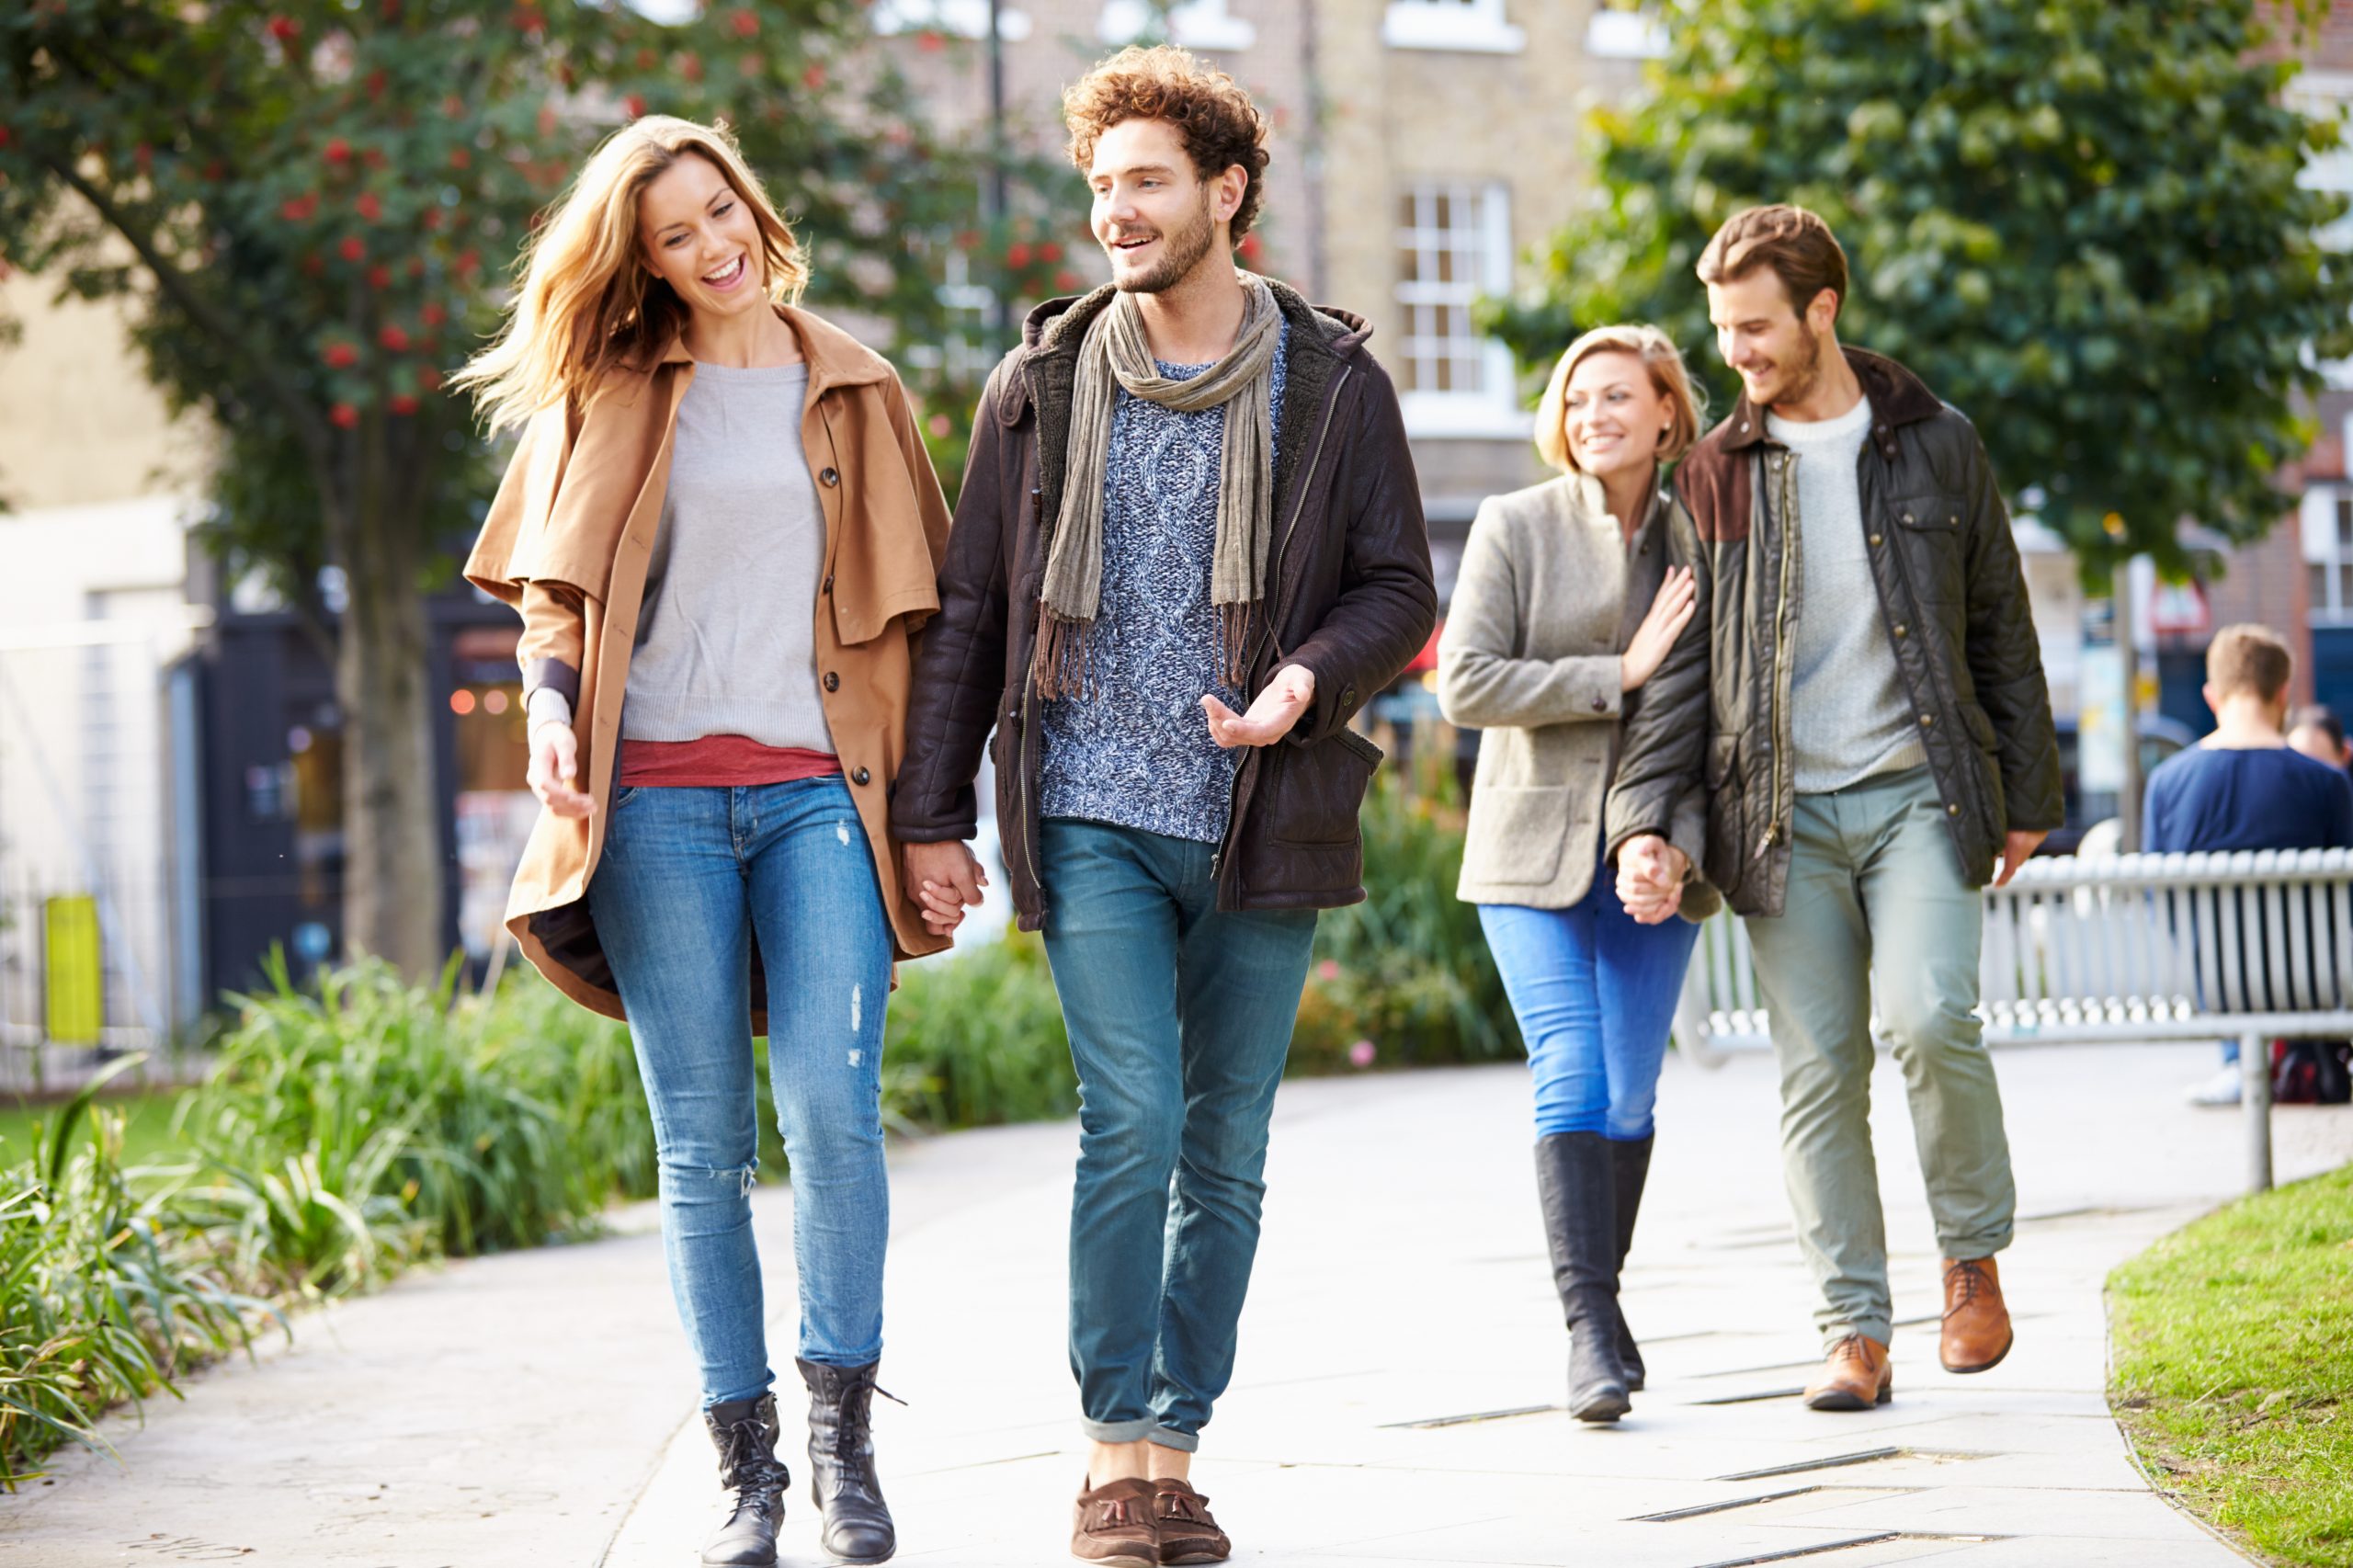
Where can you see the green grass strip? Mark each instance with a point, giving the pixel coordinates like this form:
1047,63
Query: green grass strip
2234,1368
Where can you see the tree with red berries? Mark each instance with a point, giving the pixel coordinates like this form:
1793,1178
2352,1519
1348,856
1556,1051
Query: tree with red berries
311,208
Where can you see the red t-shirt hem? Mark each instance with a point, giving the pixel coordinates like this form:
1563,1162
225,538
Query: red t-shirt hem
720,760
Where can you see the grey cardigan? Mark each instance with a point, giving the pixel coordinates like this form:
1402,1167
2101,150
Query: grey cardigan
1548,596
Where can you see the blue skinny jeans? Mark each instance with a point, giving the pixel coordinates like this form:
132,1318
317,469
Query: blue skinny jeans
1595,992
690,877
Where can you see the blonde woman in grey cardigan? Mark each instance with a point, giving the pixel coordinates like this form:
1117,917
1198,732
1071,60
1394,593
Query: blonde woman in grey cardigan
1565,605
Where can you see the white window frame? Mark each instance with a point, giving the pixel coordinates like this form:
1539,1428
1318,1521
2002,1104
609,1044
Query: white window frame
1196,24
1492,411
1470,27
2325,548
1611,33
959,18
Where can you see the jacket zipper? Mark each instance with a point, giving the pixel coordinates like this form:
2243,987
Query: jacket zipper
1021,728
1780,638
1306,479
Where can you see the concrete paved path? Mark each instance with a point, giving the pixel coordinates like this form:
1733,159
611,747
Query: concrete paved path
1395,1403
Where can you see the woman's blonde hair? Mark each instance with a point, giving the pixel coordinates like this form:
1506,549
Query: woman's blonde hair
1658,354
584,302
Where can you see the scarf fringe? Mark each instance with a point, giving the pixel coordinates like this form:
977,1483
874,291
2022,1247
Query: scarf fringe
1235,622
1061,664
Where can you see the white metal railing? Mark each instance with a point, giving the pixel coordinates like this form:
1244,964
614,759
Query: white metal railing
2256,944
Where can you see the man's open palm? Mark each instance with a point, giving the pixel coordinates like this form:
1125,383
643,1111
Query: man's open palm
1270,717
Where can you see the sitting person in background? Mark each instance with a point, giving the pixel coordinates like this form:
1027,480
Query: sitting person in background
2319,734
2243,787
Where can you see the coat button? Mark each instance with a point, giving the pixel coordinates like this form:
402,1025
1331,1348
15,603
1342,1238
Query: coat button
1908,517
859,776
1347,698
1951,810
1601,705
833,681
1901,630
1926,719
1874,538
830,477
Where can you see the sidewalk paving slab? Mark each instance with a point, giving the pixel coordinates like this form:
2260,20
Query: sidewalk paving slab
1395,1400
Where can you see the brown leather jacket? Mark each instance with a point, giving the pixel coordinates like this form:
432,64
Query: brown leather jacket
1951,598
1352,601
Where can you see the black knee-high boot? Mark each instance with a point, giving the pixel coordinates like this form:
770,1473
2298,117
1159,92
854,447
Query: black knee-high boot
1575,1176
1631,1170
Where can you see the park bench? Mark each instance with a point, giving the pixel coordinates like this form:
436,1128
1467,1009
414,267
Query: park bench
2255,946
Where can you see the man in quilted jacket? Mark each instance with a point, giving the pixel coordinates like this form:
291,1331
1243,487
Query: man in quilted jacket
1861,692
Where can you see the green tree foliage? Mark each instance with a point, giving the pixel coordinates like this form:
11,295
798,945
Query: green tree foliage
311,207
2080,221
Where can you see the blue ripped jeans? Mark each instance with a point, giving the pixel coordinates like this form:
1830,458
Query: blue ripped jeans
1595,993
690,877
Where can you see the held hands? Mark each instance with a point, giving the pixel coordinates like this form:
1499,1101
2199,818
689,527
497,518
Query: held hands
1650,878
2016,847
944,878
1270,717
554,772
1670,612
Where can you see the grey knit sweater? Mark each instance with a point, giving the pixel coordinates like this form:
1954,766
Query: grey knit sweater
1849,718
726,641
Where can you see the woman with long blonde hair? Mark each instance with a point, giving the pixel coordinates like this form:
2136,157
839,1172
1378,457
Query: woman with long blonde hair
721,530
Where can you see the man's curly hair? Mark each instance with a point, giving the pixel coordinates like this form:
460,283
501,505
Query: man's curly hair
1219,123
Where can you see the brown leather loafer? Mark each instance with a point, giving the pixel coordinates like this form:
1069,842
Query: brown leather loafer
1188,1533
1856,1375
1114,1525
1976,1333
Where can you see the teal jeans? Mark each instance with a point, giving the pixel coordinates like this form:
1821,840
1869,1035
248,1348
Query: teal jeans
1877,907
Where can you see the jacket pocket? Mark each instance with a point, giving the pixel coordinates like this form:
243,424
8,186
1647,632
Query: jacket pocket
1931,528
1518,831
1311,795
1723,751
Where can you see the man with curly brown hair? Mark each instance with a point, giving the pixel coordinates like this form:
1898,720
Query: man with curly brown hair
1189,547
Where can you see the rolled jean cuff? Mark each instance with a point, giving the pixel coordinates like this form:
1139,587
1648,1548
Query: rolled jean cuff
1169,1437
1881,1329
1961,1249
1134,1431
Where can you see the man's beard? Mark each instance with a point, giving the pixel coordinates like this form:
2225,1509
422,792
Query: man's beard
1185,249
1800,377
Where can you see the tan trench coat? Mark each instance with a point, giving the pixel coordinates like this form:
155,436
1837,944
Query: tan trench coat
574,524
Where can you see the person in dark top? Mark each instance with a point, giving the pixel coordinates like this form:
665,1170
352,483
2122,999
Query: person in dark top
2244,786
2319,734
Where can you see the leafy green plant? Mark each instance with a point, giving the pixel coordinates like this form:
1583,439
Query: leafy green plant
105,1291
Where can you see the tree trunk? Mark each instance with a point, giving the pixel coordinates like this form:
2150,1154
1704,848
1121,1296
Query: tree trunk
392,872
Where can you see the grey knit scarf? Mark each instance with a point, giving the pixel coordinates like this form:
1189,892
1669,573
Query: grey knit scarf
1117,352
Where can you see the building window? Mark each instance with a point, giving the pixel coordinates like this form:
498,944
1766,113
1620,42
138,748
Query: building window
957,19
1476,26
1454,245
2328,553
1626,29
1196,24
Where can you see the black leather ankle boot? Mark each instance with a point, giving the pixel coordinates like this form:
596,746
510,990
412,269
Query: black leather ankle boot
744,1432
841,1463
1576,1178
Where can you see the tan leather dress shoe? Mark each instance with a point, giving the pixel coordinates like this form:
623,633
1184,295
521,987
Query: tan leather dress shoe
1977,1324
1856,1375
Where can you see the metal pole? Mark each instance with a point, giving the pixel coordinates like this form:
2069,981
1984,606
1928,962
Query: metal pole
2254,1098
999,198
2128,655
